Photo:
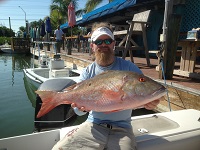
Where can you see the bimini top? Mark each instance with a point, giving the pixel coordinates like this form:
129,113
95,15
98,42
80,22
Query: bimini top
103,11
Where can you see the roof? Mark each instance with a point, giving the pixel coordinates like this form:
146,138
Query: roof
108,9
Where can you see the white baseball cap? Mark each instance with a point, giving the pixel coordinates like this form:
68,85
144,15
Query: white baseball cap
101,31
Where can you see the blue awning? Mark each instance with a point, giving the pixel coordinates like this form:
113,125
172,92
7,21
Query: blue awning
65,25
110,8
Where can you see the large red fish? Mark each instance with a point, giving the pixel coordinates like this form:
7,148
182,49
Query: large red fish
106,92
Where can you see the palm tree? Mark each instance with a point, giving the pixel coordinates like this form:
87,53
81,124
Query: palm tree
92,4
59,9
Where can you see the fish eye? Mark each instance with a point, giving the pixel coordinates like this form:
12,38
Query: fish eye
141,79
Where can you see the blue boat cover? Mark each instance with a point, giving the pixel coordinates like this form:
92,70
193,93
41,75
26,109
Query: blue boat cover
105,10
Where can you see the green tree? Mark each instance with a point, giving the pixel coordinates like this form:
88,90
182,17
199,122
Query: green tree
22,28
6,32
59,11
61,8
92,4
37,23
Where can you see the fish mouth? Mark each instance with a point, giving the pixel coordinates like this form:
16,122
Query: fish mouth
161,92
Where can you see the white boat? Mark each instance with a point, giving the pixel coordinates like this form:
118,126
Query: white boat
177,130
6,48
49,69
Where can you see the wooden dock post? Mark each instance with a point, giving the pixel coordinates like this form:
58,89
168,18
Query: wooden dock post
171,30
170,47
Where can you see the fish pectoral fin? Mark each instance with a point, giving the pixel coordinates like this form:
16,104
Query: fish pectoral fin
112,95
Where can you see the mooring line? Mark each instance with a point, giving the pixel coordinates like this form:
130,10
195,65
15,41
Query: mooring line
162,68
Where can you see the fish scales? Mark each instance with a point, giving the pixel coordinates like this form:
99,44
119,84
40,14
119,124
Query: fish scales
106,92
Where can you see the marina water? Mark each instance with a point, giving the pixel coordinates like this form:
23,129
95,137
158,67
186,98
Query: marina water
18,99
16,109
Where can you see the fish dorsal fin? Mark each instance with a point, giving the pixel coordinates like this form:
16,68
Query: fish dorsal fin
72,87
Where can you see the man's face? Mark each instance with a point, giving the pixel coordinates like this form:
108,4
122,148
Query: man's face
103,50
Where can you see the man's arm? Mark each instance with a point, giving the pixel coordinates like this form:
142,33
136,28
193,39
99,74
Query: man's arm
63,36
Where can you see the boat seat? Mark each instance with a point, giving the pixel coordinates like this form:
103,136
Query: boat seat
56,84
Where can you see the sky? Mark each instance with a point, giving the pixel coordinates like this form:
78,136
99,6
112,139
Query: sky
34,10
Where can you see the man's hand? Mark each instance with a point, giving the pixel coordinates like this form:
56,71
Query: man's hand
80,108
152,104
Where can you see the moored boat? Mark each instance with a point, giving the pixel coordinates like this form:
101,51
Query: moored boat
49,69
6,48
162,131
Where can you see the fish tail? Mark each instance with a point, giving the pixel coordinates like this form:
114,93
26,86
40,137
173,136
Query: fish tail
48,102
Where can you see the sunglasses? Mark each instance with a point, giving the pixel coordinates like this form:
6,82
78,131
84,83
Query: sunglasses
106,41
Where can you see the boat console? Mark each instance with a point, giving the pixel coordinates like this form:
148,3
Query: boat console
57,68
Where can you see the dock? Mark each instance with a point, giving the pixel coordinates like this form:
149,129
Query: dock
18,46
184,93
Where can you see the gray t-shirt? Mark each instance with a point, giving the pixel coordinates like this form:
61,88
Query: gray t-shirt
120,118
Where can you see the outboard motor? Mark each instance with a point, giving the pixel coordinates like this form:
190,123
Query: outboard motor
62,115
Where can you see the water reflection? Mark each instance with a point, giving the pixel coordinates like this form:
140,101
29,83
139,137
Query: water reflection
15,106
19,62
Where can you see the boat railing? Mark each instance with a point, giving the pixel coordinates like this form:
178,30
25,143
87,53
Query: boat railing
44,42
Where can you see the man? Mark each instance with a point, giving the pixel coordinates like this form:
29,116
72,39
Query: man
58,36
110,131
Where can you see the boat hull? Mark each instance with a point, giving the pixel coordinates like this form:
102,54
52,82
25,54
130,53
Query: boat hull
33,78
37,76
7,50
170,130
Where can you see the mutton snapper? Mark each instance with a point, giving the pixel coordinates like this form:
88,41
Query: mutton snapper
107,92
